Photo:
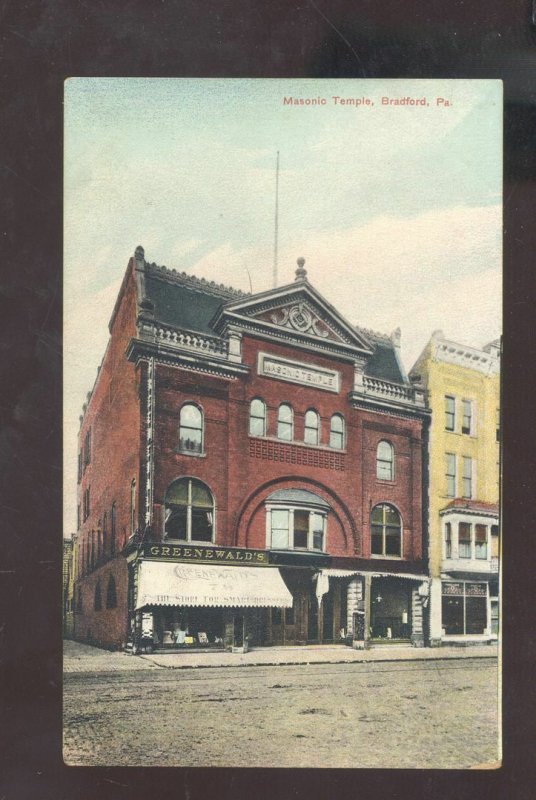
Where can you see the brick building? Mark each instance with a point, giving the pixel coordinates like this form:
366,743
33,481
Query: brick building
250,473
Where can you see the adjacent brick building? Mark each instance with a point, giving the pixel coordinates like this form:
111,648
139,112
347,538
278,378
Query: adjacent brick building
250,473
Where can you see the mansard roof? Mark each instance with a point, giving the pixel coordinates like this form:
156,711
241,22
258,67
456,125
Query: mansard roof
186,302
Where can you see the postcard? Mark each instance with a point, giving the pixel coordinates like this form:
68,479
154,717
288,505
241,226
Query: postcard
282,423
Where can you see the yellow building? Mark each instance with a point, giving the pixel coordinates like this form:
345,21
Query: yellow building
463,386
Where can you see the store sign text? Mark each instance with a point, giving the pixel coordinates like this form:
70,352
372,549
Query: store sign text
220,555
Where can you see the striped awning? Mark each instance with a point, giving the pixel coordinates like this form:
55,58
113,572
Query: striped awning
178,584
348,573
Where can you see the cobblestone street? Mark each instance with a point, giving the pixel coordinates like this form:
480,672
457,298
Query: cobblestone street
435,714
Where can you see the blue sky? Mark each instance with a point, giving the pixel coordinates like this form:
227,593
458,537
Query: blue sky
397,210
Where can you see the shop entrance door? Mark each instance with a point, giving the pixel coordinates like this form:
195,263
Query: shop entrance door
390,610
284,625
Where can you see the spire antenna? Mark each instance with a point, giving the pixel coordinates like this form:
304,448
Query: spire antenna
276,232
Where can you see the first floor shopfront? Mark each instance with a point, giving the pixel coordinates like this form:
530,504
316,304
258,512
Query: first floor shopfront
464,608
230,598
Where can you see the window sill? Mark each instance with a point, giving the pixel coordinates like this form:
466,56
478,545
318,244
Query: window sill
190,454
304,551
390,558
385,482
187,542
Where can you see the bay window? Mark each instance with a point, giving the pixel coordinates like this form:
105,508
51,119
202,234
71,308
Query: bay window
296,520
481,541
464,540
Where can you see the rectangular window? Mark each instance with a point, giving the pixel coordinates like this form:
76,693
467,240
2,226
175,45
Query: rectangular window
450,413
481,541
318,522
467,418
464,608
301,529
451,474
467,477
495,616
87,448
464,540
448,540
280,529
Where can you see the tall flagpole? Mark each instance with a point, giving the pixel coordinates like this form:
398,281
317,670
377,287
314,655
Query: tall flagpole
276,218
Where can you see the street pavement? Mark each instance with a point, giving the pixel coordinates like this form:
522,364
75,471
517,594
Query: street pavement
382,709
80,657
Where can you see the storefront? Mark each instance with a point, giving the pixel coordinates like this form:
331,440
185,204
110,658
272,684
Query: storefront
184,605
466,608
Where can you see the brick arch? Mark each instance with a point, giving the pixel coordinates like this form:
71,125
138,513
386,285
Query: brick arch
257,498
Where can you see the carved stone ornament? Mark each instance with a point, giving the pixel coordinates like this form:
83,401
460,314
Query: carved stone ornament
300,318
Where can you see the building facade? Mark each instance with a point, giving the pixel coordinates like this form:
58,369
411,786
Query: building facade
463,391
250,473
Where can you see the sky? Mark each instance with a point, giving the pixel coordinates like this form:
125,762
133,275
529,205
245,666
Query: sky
396,208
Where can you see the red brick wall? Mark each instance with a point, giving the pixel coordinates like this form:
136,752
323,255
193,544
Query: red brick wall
242,470
113,417
109,626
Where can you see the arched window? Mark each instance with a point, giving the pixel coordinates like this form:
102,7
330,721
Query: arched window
133,507
336,432
97,605
191,429
189,511
113,531
285,424
111,595
99,541
385,461
311,434
257,417
105,535
386,531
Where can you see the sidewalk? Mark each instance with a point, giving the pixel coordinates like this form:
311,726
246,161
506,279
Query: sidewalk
82,658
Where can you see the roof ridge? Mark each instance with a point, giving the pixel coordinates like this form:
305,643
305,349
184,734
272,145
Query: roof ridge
371,334
192,281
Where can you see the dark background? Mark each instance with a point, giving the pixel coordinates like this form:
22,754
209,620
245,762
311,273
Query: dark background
42,43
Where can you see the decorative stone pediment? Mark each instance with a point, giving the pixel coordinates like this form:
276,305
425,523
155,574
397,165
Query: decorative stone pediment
300,317
296,312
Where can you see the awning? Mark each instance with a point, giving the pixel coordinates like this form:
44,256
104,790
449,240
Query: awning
348,573
177,584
